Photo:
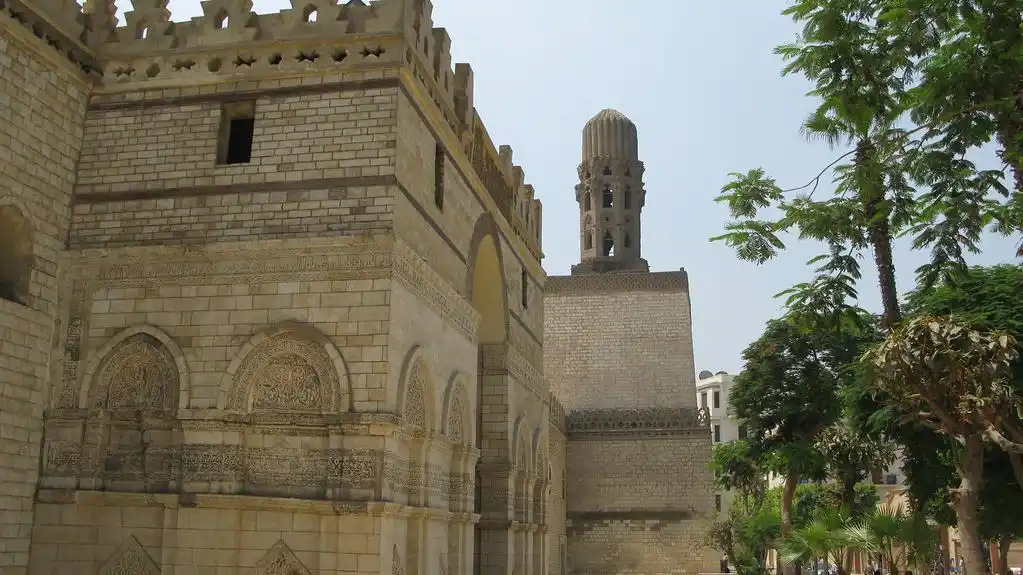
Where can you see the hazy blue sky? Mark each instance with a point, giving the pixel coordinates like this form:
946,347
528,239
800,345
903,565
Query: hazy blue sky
699,79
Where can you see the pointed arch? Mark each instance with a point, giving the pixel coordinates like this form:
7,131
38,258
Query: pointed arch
132,558
607,248
521,444
416,393
129,349
457,410
485,282
290,366
281,560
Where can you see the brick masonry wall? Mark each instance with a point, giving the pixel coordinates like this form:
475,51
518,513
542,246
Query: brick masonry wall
631,474
42,105
296,137
322,164
212,301
82,537
619,348
556,535
297,213
639,547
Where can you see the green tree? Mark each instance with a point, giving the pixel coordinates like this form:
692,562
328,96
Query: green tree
943,375
970,58
788,395
752,524
850,454
736,469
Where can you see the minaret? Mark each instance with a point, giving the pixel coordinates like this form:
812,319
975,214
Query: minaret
611,196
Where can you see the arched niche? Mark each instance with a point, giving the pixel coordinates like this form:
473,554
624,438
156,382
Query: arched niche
486,282
456,410
290,367
16,251
140,367
416,394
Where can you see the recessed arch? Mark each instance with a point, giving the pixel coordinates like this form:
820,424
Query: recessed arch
416,392
522,441
168,343
17,257
310,13
455,417
486,282
284,348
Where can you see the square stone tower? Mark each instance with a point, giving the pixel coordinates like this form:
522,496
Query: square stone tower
270,298
618,352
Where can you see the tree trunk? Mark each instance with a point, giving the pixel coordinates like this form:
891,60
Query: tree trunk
1016,460
1004,543
788,495
879,233
965,500
848,497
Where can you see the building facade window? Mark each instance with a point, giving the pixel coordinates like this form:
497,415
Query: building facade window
717,400
703,399
743,432
717,433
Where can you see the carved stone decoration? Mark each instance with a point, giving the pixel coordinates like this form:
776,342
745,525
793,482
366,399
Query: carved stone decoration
130,559
414,404
138,373
654,421
281,560
287,371
455,423
396,568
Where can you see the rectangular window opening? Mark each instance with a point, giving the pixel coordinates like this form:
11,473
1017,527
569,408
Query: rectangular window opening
703,399
717,400
237,128
438,176
743,434
525,290
717,434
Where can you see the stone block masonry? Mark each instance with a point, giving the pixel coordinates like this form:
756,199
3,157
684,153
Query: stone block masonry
42,104
161,145
619,340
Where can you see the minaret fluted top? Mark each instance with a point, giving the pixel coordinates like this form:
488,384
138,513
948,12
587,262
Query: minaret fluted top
610,134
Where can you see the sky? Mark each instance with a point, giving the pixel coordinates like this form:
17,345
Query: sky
700,81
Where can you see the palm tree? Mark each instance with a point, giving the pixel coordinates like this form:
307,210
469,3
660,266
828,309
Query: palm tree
903,539
828,536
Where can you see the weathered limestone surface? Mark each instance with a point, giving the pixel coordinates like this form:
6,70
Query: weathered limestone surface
315,348
42,104
618,352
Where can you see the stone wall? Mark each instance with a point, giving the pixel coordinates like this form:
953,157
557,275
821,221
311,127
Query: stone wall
129,533
42,103
640,473
647,545
619,340
557,541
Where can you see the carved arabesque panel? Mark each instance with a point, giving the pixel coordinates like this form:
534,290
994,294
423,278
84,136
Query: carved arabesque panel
138,373
285,373
280,560
455,423
414,405
130,559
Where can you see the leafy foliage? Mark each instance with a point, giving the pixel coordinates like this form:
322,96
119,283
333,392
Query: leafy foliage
945,374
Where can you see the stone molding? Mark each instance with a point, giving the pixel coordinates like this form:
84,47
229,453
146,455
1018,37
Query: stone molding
637,422
248,262
87,497
59,28
617,282
419,278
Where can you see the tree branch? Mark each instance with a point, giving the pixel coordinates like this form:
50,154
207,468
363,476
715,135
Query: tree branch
1003,442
